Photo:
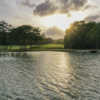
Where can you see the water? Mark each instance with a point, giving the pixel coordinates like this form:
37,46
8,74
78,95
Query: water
49,76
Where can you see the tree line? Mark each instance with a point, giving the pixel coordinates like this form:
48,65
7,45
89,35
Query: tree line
22,35
83,35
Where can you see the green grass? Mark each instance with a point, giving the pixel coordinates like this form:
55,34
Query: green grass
52,46
31,47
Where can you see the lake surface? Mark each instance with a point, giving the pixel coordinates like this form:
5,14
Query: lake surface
49,76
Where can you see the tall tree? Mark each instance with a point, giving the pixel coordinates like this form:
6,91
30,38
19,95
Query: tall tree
5,29
79,35
25,34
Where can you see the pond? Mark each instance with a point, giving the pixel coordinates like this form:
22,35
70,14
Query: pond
49,75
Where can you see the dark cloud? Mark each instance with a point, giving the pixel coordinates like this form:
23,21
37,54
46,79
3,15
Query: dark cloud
58,6
65,6
93,18
45,8
55,33
28,3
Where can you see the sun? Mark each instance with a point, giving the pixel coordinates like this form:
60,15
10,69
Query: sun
62,20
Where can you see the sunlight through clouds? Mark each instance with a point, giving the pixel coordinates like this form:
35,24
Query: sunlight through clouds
62,20
48,13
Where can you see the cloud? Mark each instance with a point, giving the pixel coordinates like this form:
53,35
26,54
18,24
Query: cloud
49,7
90,6
45,8
14,13
28,3
7,9
55,33
93,18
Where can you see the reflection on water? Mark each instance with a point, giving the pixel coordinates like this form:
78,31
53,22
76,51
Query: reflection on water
49,76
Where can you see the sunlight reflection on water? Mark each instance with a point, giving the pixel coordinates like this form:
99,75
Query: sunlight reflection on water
49,76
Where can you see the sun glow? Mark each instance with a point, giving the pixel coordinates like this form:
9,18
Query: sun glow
62,20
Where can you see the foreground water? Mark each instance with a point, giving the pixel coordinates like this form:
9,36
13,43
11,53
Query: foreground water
49,76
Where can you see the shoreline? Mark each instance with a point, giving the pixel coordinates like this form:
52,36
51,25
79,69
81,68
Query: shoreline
57,50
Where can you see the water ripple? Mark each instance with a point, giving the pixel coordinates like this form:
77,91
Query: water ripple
49,76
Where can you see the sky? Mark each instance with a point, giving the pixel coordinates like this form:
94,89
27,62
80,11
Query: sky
52,16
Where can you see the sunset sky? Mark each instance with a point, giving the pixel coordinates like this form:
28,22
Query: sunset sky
53,16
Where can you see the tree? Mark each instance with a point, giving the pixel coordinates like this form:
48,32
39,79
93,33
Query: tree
5,29
25,35
79,35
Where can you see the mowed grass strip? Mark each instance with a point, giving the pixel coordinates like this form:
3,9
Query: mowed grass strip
31,47
52,46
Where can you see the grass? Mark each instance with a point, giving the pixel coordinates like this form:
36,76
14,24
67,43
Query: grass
43,47
52,46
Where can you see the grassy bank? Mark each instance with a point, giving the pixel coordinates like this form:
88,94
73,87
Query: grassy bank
45,47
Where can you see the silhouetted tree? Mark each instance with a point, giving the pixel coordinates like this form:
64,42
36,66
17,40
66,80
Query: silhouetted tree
25,35
82,35
5,30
